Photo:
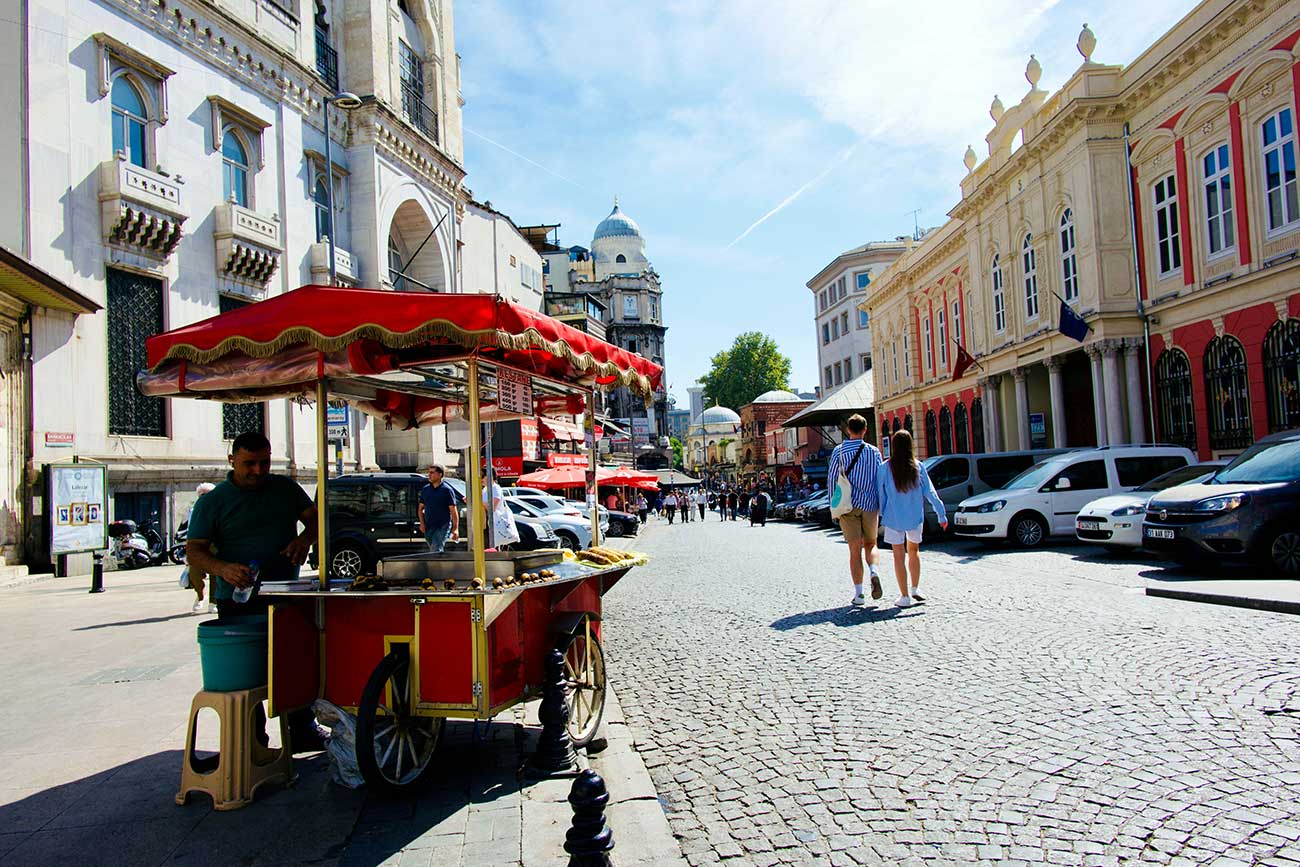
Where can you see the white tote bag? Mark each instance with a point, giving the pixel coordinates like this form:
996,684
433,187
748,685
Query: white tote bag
842,493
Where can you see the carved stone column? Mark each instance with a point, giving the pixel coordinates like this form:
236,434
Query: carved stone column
1115,433
1098,392
1022,406
1054,366
989,390
1133,384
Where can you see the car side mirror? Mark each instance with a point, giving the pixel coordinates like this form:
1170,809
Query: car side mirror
1063,484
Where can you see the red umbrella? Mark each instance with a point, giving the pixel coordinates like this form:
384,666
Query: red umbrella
555,477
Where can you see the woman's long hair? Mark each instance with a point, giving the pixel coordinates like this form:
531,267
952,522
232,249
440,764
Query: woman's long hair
902,465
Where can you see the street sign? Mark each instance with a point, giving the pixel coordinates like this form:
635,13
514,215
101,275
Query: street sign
77,515
59,440
1037,430
514,392
337,420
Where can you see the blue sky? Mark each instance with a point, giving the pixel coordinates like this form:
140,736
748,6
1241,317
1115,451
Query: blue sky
704,118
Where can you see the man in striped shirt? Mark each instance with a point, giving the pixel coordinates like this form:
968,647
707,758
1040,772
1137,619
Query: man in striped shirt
861,523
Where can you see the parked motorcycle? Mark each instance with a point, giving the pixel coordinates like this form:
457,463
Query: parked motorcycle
134,548
177,551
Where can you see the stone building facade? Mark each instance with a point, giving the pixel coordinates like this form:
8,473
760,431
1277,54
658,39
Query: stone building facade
764,414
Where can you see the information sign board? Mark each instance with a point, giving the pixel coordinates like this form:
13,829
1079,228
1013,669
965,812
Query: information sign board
337,421
77,513
514,392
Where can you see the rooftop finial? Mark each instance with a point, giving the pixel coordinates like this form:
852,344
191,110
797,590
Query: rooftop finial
1033,71
616,200
1087,43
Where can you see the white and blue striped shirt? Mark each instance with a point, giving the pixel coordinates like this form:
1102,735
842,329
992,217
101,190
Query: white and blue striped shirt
863,478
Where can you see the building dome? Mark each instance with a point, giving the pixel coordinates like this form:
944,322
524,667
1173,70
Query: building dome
777,395
718,415
617,225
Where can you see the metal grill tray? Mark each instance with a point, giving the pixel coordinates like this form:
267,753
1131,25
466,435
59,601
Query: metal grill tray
414,568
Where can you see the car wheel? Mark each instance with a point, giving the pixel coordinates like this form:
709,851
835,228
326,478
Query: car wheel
1283,548
347,561
1028,530
568,540
615,530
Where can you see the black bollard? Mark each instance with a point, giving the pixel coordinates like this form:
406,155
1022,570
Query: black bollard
555,755
97,573
589,840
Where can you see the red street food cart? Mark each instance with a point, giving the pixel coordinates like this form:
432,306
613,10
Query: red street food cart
463,634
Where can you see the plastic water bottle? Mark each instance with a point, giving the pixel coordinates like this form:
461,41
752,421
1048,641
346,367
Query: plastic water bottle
243,594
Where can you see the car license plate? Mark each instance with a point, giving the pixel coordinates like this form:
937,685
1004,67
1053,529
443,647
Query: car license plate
963,519
1159,533
1089,525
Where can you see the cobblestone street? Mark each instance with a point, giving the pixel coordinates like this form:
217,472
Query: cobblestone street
1037,709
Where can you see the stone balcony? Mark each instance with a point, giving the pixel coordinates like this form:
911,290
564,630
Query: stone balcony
345,264
248,244
140,210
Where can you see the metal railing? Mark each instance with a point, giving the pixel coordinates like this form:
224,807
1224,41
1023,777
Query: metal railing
417,111
327,60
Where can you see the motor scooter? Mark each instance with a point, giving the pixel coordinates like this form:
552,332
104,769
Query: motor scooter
177,551
133,548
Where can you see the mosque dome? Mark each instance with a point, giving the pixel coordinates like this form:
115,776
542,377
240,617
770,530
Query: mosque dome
617,225
718,415
778,395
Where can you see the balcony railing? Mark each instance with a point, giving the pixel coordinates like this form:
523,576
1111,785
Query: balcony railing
417,111
327,61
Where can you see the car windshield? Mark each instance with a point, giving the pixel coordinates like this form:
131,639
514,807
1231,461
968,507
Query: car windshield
1261,464
1037,474
1182,476
930,462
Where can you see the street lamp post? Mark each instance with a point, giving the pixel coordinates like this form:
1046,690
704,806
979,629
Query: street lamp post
346,102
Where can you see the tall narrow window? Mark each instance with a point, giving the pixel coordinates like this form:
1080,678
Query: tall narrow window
829,380
1069,261
864,319
943,338
1169,256
1279,171
931,439
839,373
864,280
1029,265
237,418
1282,375
999,298
929,347
956,321
396,271
945,430
135,311
129,120
894,352
411,70
1227,394
234,169
1174,398
960,429
1218,200
835,328
977,425
907,358
826,333
321,199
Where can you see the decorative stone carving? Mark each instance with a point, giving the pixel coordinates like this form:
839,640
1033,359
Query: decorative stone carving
248,244
1087,43
997,109
110,51
139,209
970,159
1267,90
1033,72
1207,127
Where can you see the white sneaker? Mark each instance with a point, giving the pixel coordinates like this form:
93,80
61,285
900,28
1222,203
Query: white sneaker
859,600
212,608
904,602
197,607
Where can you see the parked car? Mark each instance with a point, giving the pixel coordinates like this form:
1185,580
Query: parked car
1116,521
534,533
959,476
1250,509
785,511
1044,500
801,511
373,516
820,513
574,531
622,524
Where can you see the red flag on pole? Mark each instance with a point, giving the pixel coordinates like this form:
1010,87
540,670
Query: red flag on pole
964,362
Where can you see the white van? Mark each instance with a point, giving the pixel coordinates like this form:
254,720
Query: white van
959,476
1044,500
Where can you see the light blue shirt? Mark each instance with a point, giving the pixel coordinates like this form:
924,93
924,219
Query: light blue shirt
862,481
906,511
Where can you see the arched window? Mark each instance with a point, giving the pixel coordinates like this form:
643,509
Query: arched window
620,259
907,424
931,446
129,121
1282,375
1069,262
395,267
1174,398
897,425
961,429
1227,394
321,197
234,169
977,426
999,297
945,430
1029,267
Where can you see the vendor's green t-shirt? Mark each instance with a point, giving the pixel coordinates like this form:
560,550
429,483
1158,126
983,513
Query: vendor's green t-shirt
245,526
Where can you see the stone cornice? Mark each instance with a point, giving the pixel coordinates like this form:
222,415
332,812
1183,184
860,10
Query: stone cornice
375,124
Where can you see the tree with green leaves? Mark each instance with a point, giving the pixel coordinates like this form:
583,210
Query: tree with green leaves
677,452
750,367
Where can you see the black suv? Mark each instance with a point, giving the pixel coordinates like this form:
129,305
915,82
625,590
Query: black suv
1250,508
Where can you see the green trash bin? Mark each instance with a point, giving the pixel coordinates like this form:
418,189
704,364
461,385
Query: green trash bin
233,653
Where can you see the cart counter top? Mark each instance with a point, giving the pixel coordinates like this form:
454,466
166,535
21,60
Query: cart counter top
565,572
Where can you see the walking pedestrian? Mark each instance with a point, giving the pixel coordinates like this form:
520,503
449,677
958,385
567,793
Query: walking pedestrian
758,508
194,576
642,507
903,487
439,517
702,501
859,462
670,504
684,506
733,503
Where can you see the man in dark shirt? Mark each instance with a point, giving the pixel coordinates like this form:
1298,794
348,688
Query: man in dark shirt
438,516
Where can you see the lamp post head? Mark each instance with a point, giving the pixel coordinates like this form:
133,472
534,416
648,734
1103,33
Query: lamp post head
345,100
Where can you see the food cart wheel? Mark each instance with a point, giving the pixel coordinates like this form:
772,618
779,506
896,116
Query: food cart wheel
394,745
584,672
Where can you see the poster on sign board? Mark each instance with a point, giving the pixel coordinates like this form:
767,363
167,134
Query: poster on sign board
76,494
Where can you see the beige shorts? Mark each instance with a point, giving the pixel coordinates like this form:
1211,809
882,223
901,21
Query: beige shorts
858,524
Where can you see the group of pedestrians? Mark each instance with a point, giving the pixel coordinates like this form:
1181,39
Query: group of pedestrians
890,493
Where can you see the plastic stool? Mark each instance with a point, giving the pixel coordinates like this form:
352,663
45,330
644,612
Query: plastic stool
243,763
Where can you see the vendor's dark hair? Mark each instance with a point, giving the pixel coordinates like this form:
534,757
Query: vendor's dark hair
902,465
250,441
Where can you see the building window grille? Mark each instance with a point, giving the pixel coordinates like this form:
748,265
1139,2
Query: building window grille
1069,260
1174,398
327,60
1029,262
1282,375
945,430
1280,171
130,120
414,108
931,442
1168,252
999,298
237,418
961,429
321,199
977,426
135,311
1227,394
1218,200
234,169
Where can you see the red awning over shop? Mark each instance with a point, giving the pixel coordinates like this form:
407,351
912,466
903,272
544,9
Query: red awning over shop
560,431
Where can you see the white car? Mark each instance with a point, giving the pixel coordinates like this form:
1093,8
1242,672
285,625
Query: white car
574,530
1044,500
1116,521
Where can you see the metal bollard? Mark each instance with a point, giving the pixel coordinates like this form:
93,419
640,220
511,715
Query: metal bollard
589,841
97,573
555,755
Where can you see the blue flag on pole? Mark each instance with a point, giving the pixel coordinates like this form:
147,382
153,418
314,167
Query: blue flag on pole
1072,324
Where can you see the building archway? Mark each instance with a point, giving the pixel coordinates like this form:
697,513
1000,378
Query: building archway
415,257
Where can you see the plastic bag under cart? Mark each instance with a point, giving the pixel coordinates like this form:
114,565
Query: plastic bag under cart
342,745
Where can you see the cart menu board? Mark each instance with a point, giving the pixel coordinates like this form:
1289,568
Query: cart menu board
515,392
77,510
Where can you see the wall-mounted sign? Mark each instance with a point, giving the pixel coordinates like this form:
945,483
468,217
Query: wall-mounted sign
337,420
59,440
514,392
1037,430
560,459
76,495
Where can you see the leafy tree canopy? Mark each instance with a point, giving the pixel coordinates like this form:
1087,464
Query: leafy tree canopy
750,367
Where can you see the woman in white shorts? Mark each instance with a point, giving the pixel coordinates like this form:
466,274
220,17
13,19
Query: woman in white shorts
903,487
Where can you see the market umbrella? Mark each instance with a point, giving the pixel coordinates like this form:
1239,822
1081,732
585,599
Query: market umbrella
555,477
625,476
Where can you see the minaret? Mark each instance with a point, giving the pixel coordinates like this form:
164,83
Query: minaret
697,401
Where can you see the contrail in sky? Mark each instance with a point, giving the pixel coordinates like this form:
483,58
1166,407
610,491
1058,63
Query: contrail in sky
790,198
527,160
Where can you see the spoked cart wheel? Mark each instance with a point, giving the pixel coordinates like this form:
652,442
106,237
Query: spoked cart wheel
584,673
394,746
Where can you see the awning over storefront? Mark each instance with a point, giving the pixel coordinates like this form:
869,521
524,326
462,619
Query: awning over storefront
25,281
858,395
560,431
